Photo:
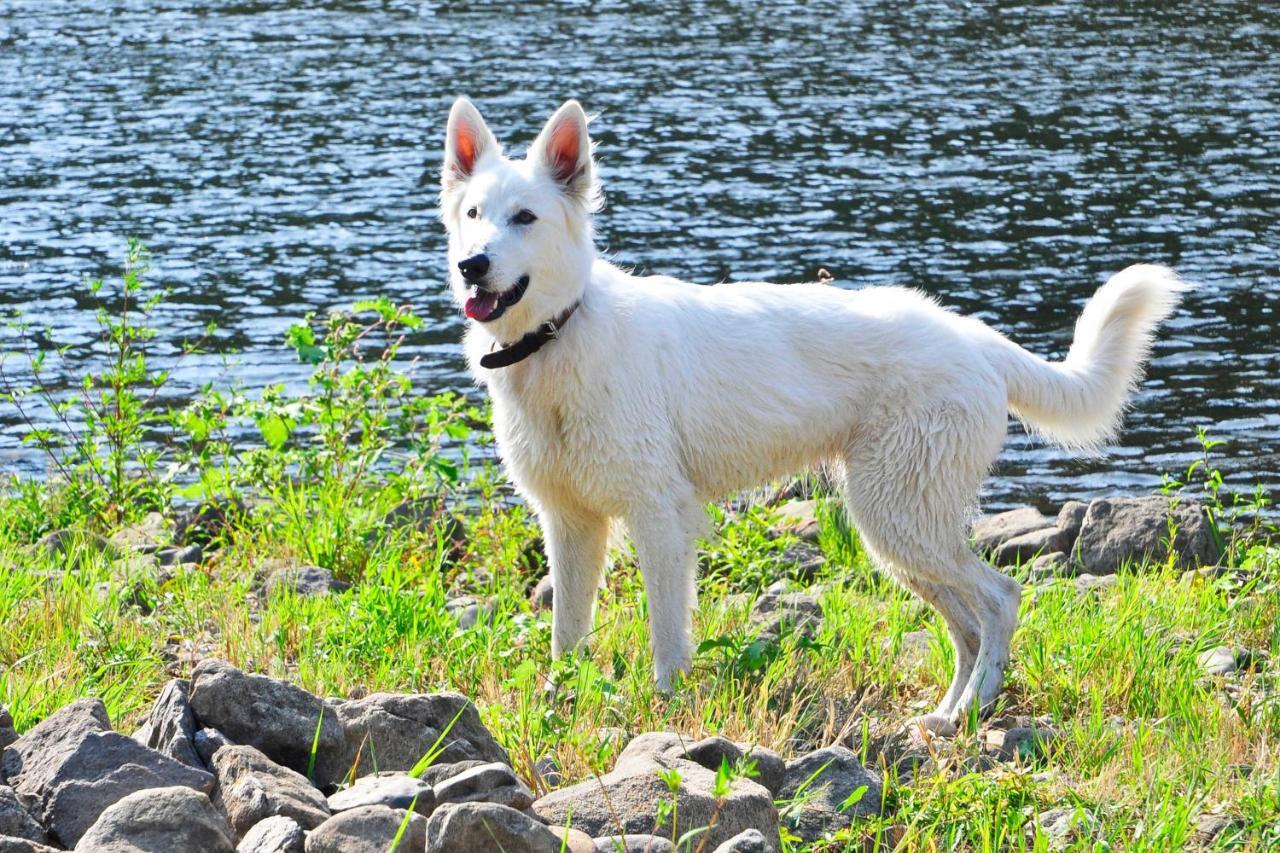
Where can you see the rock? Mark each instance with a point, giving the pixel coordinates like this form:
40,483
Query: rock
274,716
804,559
548,770
73,767
370,829
206,742
394,790
542,595
1021,548
747,841
170,727
1209,829
1048,566
921,731
180,556
1119,531
1070,520
252,788
992,531
829,777
437,773
15,820
771,769
488,783
573,840
29,761
775,615
1222,660
157,820
400,729
467,609
75,547
1024,744
7,733
277,834
1087,583
636,844
709,752
471,827
144,537
206,522
304,581
1065,826
799,519
423,517
625,798
10,844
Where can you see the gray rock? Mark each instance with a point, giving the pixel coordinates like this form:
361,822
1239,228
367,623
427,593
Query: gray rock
548,770
799,519
1221,660
1119,531
74,771
252,788
304,580
1021,548
10,844
15,820
1211,829
635,844
823,781
395,790
470,827
488,783
170,727
437,773
143,537
30,761
542,595
1087,583
399,729
1070,520
467,609
771,769
1064,827
1024,744
1048,566
709,752
274,716
7,733
805,560
573,840
625,798
159,820
206,742
180,556
747,841
205,522
276,834
370,829
76,546
992,531
775,615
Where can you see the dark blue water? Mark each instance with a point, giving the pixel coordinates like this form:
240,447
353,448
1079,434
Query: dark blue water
279,157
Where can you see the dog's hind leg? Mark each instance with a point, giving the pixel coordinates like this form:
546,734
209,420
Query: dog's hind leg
576,548
996,598
665,537
965,631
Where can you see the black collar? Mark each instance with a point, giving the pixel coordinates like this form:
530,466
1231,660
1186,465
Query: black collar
529,344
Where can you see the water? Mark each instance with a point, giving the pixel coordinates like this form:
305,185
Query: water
280,157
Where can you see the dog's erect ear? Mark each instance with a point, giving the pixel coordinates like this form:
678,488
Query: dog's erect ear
563,149
467,141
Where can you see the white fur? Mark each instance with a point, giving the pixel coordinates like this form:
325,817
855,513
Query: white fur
661,395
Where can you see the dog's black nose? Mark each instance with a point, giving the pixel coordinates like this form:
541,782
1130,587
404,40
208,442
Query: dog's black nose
474,267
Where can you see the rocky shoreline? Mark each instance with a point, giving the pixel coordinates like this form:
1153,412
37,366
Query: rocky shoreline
232,761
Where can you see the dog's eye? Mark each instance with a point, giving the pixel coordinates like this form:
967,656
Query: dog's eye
472,213
524,217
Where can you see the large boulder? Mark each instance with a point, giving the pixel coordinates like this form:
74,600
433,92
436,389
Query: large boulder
28,761
170,727
823,783
1119,531
252,788
625,799
276,717
370,829
388,731
469,827
159,820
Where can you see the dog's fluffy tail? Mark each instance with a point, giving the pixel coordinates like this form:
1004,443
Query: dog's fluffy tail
1079,402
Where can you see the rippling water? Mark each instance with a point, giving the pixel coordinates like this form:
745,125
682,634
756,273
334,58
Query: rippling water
280,156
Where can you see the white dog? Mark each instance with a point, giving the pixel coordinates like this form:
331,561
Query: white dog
640,399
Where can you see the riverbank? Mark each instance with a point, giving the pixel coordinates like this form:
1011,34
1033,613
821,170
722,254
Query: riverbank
1140,710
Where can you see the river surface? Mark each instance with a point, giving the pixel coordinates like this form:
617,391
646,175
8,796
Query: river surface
280,157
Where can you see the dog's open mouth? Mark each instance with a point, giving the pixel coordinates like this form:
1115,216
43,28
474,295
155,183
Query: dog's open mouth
486,306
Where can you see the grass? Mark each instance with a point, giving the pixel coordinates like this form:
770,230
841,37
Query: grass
1147,742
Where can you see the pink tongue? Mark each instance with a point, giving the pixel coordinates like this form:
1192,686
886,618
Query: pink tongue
480,304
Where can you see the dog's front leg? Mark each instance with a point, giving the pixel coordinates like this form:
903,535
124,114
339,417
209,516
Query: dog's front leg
576,547
664,538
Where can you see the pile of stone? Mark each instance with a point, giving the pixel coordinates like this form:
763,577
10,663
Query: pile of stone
231,761
1100,537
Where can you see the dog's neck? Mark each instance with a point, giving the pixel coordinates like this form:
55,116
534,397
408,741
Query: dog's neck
527,345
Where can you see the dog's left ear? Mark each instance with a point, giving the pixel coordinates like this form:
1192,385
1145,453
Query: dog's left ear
563,149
